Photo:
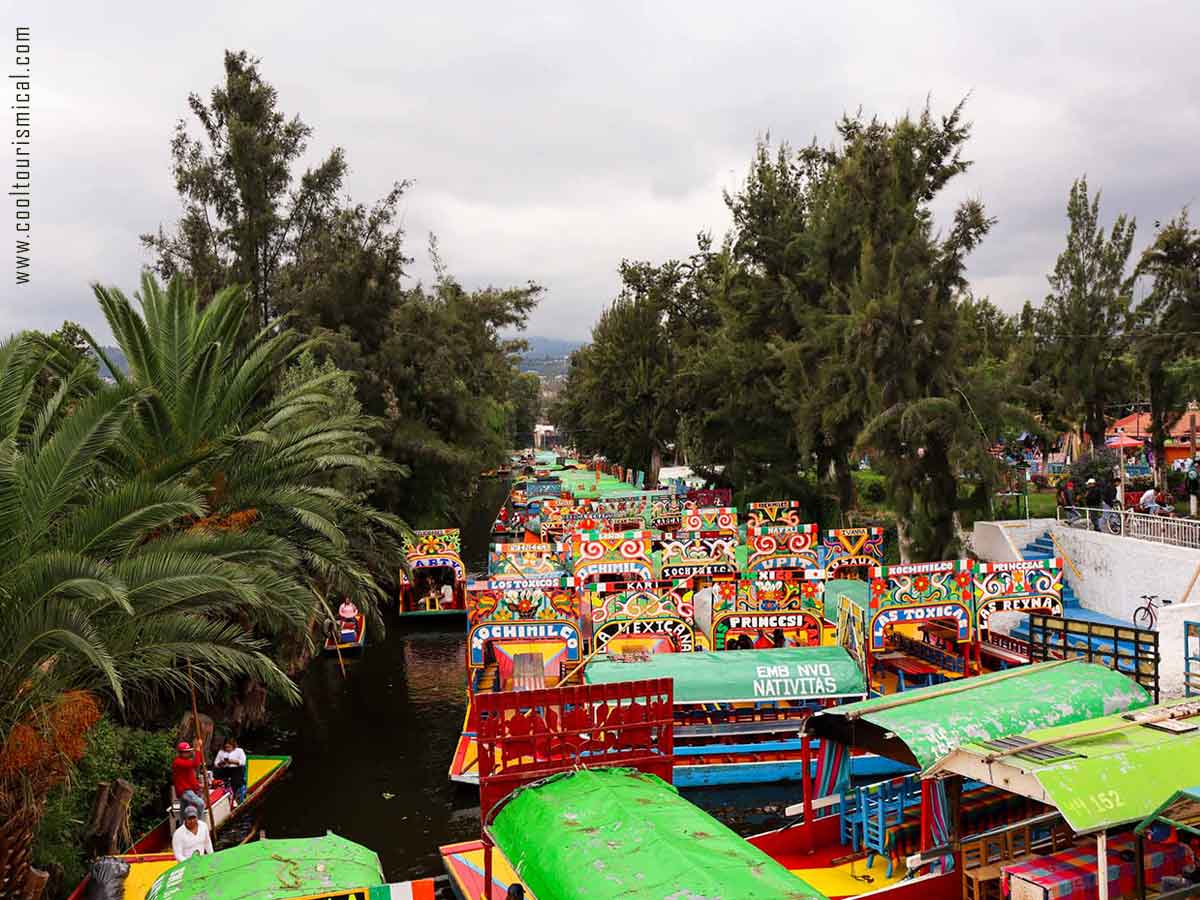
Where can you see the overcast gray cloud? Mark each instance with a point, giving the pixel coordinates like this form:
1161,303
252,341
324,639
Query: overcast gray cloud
548,142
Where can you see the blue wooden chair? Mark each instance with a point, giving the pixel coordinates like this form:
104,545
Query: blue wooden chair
850,824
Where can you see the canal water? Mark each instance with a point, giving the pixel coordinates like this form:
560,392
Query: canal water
370,750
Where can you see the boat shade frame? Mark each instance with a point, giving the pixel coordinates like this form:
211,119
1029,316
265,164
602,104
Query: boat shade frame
1118,769
1181,810
922,725
743,676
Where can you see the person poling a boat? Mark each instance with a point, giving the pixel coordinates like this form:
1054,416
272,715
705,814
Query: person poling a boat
230,767
347,619
191,837
184,777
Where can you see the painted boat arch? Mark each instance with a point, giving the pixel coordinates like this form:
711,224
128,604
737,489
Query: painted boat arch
1032,585
675,631
426,552
851,548
612,556
556,631
784,513
686,555
777,547
800,628
920,592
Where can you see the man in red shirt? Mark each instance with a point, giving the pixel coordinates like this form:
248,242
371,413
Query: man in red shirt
184,777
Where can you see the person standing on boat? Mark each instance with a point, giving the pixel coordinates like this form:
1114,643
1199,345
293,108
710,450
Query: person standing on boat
347,621
447,596
191,837
184,777
230,767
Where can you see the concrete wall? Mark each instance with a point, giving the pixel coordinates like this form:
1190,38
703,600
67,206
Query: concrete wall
1002,541
1118,570
1114,572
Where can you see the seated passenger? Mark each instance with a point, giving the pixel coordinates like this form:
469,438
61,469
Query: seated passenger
230,767
191,837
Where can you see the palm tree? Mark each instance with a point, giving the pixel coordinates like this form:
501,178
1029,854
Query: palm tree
215,420
99,591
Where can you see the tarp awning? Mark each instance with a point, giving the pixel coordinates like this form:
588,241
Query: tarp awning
727,676
603,834
921,726
1099,773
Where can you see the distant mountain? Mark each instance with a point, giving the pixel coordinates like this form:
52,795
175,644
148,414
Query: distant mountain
118,359
541,348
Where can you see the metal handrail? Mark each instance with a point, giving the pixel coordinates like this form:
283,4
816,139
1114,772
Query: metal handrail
1065,557
1175,531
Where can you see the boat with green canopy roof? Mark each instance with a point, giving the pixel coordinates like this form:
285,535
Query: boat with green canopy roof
738,714
1099,772
328,866
615,833
786,674
920,726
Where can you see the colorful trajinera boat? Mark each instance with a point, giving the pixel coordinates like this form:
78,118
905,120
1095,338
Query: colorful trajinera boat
617,573
1025,778
328,867
150,855
738,716
437,584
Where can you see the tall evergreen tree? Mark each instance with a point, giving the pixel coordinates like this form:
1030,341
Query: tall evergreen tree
1089,305
243,210
1167,321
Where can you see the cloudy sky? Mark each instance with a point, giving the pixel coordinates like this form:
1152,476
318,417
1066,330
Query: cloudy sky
548,141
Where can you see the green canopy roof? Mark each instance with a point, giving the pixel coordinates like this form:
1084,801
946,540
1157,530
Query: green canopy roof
858,592
1182,810
270,869
921,726
726,676
1095,780
603,834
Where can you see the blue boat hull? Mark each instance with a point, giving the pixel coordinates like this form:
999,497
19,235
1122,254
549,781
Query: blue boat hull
775,772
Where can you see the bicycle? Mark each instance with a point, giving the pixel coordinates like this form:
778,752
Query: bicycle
1146,616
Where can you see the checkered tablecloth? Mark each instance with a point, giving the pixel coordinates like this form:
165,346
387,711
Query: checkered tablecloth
1071,873
982,809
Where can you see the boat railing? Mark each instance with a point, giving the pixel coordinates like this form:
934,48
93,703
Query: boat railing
524,736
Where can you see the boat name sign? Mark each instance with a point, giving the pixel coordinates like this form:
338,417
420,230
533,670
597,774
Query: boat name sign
679,631
524,631
901,614
808,680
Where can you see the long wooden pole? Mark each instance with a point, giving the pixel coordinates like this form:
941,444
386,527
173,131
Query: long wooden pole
1182,711
1191,584
212,825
